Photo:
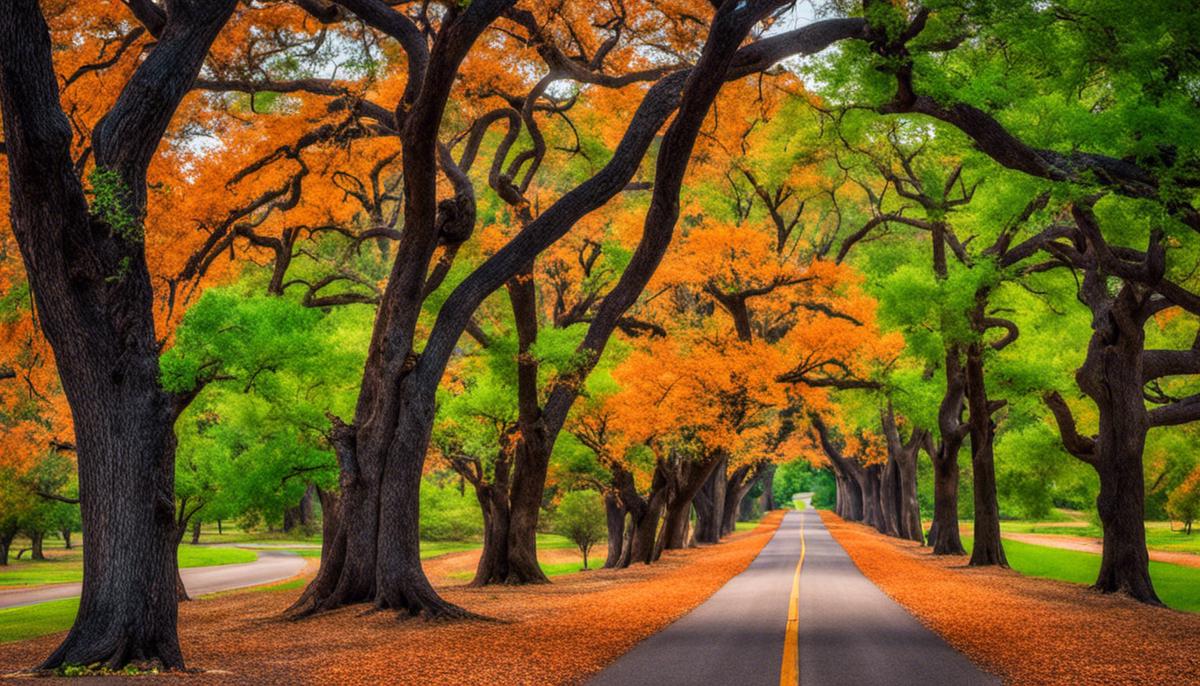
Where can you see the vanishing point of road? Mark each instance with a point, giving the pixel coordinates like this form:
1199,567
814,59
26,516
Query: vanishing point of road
801,613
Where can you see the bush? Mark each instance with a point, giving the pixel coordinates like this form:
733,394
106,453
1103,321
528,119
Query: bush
580,517
448,515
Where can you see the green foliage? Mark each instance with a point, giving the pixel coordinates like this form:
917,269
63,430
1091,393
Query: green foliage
798,476
580,517
448,513
110,204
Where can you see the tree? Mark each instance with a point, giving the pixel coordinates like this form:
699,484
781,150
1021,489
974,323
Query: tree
580,517
1125,288
1184,502
86,264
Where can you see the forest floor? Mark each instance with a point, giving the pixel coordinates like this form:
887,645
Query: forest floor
1033,632
558,633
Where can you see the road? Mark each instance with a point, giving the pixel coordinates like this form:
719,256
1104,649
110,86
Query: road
844,630
270,566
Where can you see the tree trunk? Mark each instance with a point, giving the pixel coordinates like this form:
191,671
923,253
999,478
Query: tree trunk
910,507
95,304
768,493
988,548
944,534
196,532
688,477
872,512
493,501
66,536
6,539
614,515
738,485
306,508
638,544
35,545
219,532
710,505
1112,376
889,502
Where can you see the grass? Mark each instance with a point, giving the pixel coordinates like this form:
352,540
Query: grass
1177,586
66,566
1159,535
20,623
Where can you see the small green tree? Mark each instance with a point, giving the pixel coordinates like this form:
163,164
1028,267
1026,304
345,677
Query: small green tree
580,517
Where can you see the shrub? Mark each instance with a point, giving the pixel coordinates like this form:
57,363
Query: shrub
580,517
449,515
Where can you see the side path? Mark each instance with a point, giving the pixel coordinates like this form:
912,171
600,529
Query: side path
270,566
848,631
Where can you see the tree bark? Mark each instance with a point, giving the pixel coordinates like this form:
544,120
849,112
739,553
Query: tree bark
35,545
6,539
687,478
739,483
768,493
988,548
710,504
1112,376
614,515
196,532
66,536
95,303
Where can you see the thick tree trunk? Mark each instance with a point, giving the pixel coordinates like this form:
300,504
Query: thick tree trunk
710,503
944,535
66,536
988,548
95,304
872,510
6,539
688,477
910,507
1112,376
737,486
36,539
127,608
644,514
889,498
614,515
196,532
493,560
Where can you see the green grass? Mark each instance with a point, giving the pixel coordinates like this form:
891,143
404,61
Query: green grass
1178,586
1159,535
67,566
20,623
746,526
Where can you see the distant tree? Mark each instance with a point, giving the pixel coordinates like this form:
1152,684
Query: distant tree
1184,502
580,517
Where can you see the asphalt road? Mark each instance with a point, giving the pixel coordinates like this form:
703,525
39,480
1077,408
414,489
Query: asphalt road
848,632
270,566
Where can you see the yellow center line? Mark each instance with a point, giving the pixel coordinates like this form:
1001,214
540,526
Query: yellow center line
789,674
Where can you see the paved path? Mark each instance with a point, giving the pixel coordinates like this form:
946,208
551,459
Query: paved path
270,566
846,631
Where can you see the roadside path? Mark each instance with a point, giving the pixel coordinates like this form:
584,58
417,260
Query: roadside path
271,565
845,631
1085,544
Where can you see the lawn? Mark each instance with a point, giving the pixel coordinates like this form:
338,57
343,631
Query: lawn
20,623
1159,535
1178,586
66,566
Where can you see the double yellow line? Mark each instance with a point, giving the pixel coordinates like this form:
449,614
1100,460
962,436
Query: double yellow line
789,673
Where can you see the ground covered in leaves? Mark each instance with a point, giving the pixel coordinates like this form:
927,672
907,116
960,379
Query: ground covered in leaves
1030,631
558,633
